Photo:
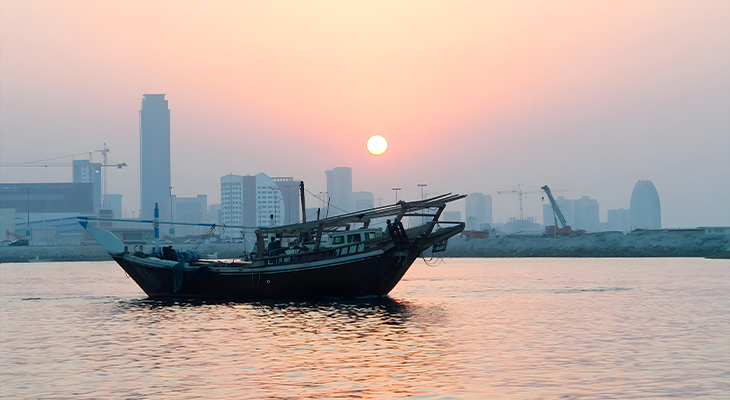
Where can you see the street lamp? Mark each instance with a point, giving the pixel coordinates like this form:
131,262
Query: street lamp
396,194
422,185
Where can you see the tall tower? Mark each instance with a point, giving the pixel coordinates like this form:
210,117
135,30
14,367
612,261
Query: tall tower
645,210
339,190
154,156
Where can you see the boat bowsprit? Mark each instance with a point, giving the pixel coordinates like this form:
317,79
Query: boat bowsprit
340,256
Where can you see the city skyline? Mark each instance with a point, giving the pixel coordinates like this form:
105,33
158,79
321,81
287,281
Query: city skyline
547,216
584,97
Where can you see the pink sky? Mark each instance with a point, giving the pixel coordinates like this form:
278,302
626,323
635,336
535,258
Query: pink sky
473,96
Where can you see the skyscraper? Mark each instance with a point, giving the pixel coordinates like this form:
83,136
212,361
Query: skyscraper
645,209
339,191
585,214
154,156
478,210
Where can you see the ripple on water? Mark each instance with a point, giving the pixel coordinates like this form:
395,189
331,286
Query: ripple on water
472,329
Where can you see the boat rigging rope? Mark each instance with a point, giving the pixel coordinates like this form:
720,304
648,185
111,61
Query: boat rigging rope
195,249
325,201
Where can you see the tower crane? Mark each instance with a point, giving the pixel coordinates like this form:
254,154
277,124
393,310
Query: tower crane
520,193
104,152
44,163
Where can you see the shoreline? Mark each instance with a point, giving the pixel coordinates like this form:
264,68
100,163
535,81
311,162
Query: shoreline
600,245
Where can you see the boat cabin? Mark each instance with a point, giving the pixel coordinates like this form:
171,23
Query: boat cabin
344,238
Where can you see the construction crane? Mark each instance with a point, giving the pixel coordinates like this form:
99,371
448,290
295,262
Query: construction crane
565,229
104,152
43,163
556,211
520,193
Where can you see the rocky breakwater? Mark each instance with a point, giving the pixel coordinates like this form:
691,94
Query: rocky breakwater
604,244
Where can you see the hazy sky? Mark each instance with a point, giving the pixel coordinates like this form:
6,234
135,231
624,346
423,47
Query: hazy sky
472,96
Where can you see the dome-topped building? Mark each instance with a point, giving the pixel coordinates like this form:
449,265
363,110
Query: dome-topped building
646,210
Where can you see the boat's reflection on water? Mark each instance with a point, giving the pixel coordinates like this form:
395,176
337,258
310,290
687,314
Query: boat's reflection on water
375,346
386,310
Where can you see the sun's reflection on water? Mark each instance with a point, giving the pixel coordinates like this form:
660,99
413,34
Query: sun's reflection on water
369,347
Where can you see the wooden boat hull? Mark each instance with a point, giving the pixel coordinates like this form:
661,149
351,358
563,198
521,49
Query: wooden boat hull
372,276
370,273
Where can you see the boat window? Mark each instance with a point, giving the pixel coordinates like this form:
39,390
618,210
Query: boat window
353,238
338,240
370,235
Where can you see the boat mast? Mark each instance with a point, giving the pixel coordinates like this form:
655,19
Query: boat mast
301,194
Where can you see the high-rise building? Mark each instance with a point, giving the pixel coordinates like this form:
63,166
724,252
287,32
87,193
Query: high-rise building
233,199
363,201
645,208
270,210
478,211
339,191
619,220
289,189
451,216
585,214
84,171
251,201
190,210
154,156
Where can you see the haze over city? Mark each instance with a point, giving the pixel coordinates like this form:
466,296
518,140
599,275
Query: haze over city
588,97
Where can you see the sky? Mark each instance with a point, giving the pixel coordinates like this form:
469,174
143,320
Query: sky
472,96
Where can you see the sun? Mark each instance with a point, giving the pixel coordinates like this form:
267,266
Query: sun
377,145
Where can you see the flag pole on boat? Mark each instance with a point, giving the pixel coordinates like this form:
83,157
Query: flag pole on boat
156,224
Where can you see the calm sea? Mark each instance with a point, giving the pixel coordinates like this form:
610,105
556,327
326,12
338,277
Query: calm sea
466,329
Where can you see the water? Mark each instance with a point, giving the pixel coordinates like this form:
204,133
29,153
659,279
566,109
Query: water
469,329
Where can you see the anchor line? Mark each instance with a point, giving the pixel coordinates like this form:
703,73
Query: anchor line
257,284
431,262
